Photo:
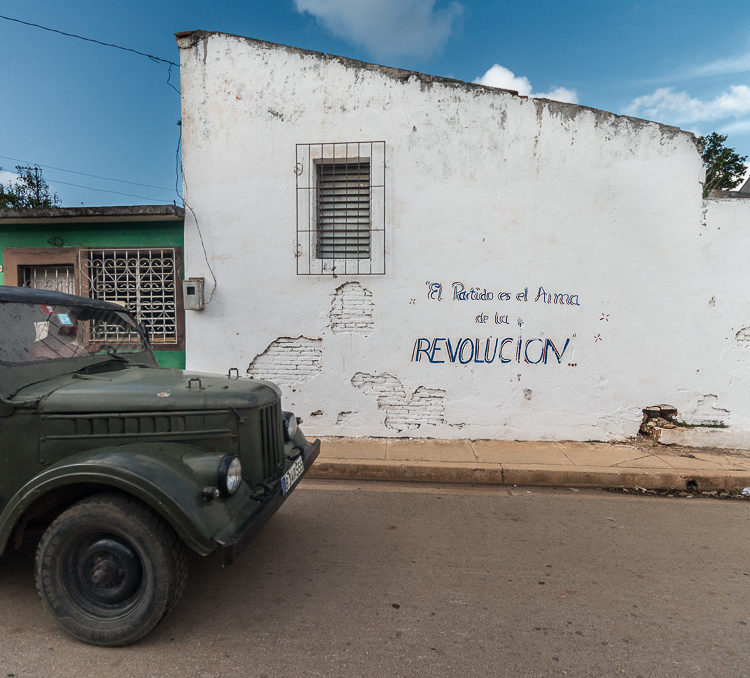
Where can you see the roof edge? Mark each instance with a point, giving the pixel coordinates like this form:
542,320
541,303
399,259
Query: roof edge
108,212
189,39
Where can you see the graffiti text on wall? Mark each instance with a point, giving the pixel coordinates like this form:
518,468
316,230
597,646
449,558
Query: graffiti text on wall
500,350
459,292
466,350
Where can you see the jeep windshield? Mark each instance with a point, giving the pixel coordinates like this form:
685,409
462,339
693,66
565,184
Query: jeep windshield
42,332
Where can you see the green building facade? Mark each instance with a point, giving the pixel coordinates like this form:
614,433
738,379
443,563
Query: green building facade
131,255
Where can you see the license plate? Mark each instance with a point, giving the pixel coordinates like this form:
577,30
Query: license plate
292,475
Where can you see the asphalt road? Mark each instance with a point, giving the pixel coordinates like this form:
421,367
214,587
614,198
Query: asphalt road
392,580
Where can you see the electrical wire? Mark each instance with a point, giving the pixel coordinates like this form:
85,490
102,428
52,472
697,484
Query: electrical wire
81,37
105,44
179,141
169,79
195,216
178,162
205,254
105,190
86,174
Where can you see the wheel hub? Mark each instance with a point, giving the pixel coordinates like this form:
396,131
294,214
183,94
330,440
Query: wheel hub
109,570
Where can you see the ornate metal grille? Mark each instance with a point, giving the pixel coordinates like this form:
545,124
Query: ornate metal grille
142,280
56,277
341,208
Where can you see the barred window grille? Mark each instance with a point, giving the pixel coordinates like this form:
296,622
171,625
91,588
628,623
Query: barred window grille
341,208
141,280
55,277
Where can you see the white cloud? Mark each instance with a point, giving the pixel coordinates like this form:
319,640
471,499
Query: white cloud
678,107
386,28
504,78
8,178
559,94
730,66
738,127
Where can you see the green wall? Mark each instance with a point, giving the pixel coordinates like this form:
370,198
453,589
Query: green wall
117,234
109,234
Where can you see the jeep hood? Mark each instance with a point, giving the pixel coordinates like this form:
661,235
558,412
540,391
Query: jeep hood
146,389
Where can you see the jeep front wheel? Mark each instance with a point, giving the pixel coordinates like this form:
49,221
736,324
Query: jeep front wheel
109,569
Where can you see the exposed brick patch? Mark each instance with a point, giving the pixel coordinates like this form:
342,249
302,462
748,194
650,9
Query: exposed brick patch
288,361
351,310
404,410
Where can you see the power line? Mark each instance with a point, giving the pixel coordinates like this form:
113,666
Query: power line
178,163
169,78
81,37
85,174
125,49
104,190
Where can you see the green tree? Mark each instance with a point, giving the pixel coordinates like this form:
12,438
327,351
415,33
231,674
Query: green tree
29,190
725,168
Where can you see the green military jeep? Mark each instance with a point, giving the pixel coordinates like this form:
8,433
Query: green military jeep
126,464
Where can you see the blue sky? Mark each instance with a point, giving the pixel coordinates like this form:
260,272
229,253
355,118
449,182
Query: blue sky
92,110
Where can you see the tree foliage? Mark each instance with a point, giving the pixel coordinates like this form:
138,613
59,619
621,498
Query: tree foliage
725,168
29,190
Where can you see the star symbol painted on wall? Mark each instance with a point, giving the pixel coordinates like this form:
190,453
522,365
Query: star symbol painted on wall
412,301
598,337
605,317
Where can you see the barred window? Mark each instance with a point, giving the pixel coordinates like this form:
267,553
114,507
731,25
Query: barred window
141,280
55,277
341,208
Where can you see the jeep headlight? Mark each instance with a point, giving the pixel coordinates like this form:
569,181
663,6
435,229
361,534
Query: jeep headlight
290,426
230,475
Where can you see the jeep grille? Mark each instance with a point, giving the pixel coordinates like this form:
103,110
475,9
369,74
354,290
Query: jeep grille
272,445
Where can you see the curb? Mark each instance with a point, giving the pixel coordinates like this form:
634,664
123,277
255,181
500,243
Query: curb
583,476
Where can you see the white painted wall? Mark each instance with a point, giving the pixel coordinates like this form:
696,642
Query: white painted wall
486,188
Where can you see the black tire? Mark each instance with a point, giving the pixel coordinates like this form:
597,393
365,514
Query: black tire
109,569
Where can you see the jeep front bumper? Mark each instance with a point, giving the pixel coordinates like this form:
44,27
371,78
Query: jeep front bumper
234,542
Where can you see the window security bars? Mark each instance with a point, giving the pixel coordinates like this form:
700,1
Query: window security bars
55,277
141,280
341,208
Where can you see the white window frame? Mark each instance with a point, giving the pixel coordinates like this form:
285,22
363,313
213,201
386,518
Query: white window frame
310,158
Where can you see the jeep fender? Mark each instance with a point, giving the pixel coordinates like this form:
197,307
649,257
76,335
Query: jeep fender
156,474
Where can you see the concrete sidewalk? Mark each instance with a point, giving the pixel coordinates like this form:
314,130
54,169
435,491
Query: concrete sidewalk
566,464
